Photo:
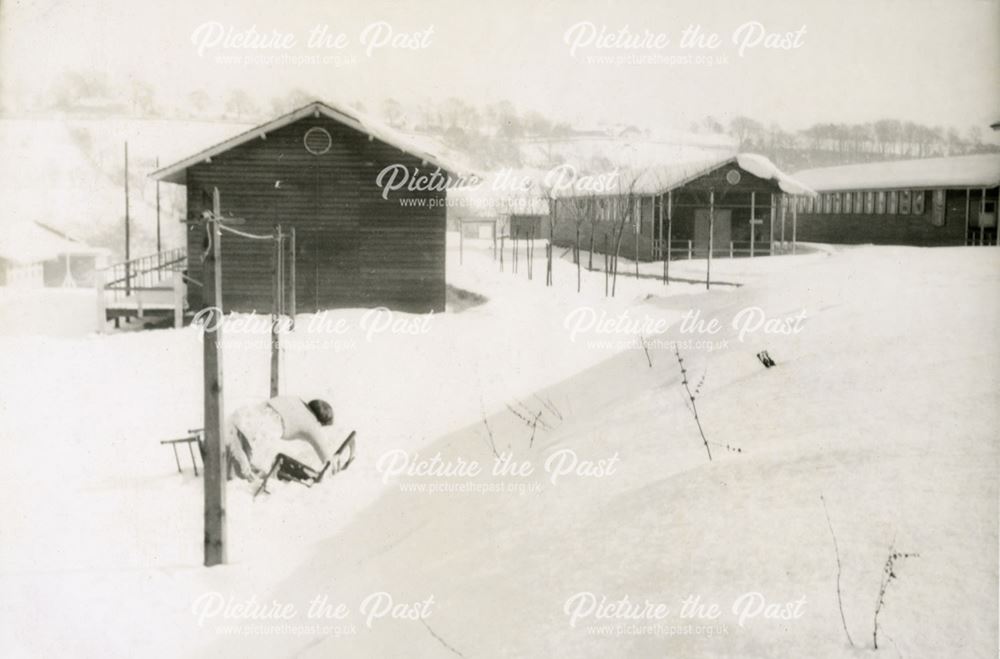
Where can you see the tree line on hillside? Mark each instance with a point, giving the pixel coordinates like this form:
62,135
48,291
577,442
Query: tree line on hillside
833,143
492,134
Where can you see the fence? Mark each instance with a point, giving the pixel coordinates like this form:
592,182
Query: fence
686,249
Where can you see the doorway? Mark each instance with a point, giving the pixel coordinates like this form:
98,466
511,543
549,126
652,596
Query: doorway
721,235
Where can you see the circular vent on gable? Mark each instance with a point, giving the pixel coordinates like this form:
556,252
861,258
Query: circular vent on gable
733,176
317,141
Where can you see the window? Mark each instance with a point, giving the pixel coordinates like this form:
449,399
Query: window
880,202
848,198
890,206
918,202
810,204
937,214
838,202
828,202
869,202
904,202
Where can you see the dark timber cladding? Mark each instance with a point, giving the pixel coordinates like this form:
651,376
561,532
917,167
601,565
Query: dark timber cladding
676,202
927,202
353,248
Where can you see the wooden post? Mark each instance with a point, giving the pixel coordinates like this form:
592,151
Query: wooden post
659,222
214,413
501,248
529,249
552,234
982,211
461,242
770,230
968,209
159,246
178,285
138,303
731,244
690,250
513,260
638,230
795,218
102,316
128,238
670,226
607,256
276,312
753,208
711,239
293,303
784,211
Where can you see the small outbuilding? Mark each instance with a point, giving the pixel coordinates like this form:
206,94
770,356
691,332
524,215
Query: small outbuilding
34,255
366,203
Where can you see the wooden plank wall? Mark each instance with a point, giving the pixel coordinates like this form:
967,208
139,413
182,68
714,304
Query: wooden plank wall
693,195
354,248
895,229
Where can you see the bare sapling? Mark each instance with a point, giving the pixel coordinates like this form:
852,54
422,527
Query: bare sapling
692,398
888,576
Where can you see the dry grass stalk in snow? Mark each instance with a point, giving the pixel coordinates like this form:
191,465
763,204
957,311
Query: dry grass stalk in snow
888,575
836,550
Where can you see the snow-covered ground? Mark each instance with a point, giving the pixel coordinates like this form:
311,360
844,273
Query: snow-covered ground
883,402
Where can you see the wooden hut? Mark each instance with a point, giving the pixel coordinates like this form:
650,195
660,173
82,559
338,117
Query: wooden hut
321,170
926,202
671,209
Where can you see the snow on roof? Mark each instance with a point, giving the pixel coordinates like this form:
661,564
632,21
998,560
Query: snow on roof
662,178
975,171
175,173
28,242
507,191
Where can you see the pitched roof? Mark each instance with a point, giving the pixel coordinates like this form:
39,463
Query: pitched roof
175,173
662,178
975,171
28,242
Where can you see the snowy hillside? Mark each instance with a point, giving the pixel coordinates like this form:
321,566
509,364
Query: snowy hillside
69,173
874,364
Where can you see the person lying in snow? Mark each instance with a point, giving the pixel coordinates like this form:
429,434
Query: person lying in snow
254,437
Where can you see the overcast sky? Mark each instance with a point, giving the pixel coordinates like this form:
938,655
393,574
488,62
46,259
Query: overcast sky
936,62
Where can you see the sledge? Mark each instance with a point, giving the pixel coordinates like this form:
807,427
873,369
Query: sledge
287,468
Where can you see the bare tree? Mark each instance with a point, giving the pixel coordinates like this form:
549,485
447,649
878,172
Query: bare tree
622,211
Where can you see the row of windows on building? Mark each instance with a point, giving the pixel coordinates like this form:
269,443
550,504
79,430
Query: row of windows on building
873,202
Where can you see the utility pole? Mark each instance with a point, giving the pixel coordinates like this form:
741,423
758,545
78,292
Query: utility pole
214,458
128,266
159,247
